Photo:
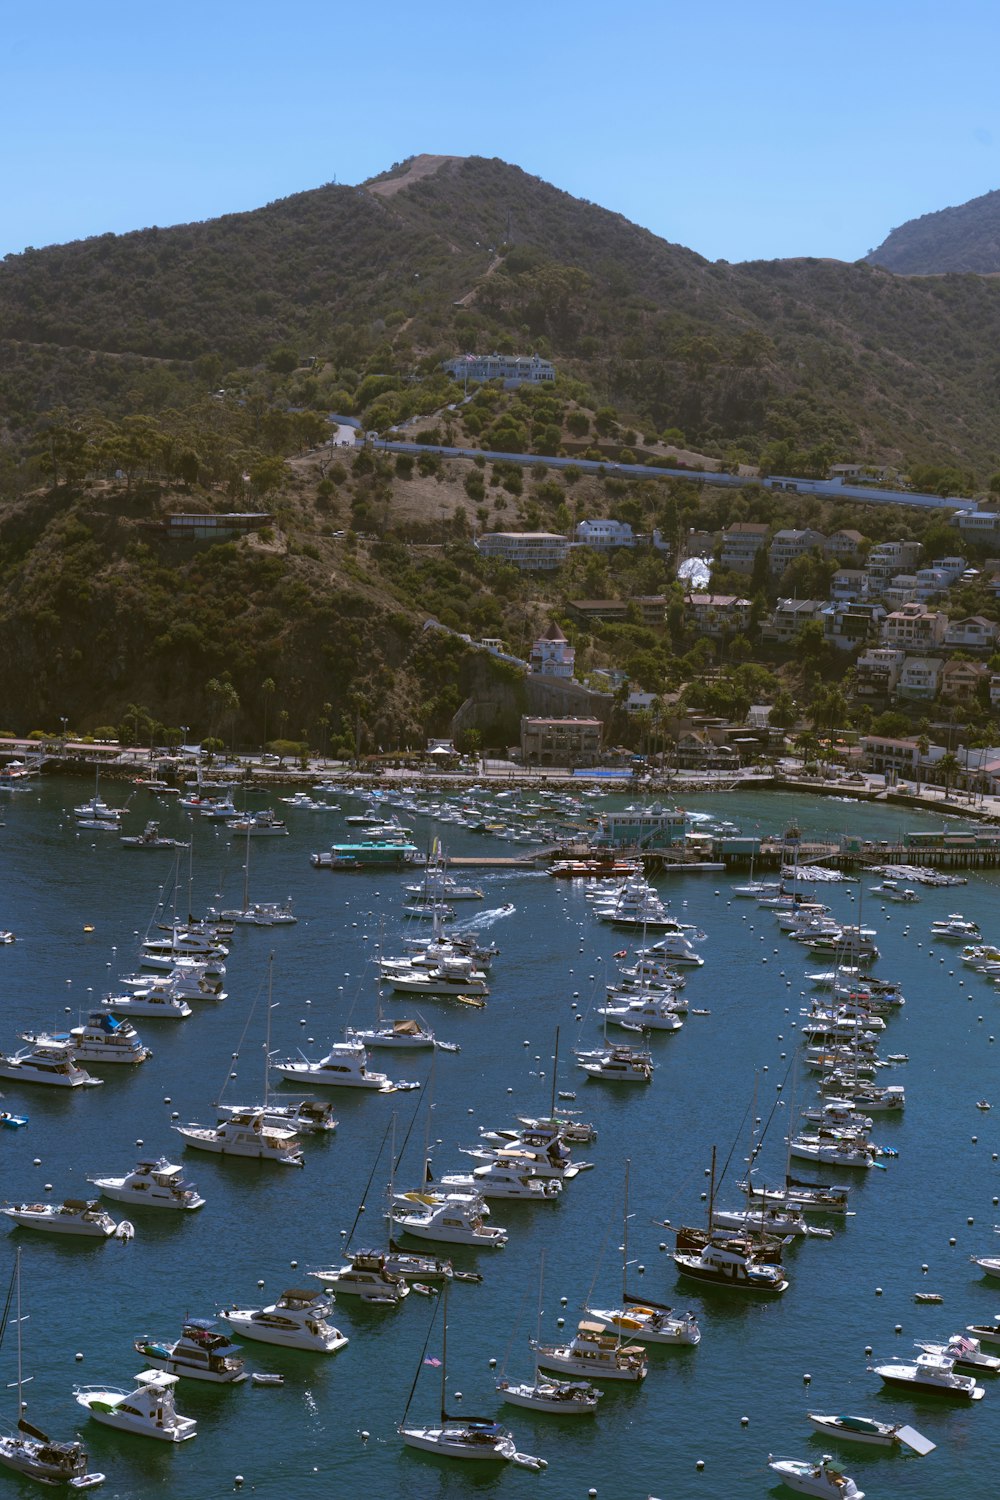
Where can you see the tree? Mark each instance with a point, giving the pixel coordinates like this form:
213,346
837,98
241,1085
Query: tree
923,746
783,712
949,765
267,688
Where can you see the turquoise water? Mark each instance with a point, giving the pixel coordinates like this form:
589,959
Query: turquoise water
304,1439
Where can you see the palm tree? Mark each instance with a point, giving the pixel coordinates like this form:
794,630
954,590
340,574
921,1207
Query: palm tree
948,765
923,747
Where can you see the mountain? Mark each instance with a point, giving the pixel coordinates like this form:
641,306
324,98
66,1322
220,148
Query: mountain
447,253
966,238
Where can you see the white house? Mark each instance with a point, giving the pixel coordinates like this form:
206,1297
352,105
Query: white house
914,626
603,535
971,633
920,678
531,551
552,655
512,369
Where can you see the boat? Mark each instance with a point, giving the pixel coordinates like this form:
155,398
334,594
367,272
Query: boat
966,1353
157,1002
408,1034
263,824
212,808
643,1012
639,1318
719,1257
956,929
302,1116
10,1121
201,1353
48,1062
497,1180
990,1264
867,1430
807,1197
146,1411
150,838
344,1066
366,1275
449,1222
834,1150
807,1477
368,854
595,1353
931,1373
477,1438
106,1038
249,1135
152,1183
27,1450
296,1321
617,1063
447,975
81,1216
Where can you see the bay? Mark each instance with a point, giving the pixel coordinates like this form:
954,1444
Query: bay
305,1438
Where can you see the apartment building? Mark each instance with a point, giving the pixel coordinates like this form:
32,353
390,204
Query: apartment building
919,679
788,544
740,544
531,551
914,627
876,673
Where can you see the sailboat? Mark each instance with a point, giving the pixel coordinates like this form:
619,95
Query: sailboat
559,1398
367,1273
719,1257
650,1322
27,1450
256,913
460,1437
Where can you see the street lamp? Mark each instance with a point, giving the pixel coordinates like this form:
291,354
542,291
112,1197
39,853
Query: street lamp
63,721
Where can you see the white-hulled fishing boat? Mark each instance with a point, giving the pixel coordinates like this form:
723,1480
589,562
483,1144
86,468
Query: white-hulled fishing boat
75,1216
146,1411
497,1180
296,1321
807,1477
932,1373
595,1353
201,1353
344,1066
50,1062
449,1222
154,1004
249,1136
366,1275
867,1430
151,1184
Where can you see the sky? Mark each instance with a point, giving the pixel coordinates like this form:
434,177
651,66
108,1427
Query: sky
742,130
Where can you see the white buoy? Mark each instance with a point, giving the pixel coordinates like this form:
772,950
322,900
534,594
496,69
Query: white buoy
78,1356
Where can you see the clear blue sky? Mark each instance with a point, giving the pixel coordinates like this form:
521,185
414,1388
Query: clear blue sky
785,127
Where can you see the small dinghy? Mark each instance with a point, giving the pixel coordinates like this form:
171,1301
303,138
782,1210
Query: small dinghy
261,1377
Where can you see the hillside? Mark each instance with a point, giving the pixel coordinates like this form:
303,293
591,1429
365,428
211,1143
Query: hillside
965,238
368,286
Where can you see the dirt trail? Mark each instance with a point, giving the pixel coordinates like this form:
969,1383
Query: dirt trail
420,166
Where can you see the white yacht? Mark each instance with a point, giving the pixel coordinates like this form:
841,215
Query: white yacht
867,1430
366,1275
153,1004
344,1066
74,1216
807,1477
558,1398
187,980
151,1184
834,1150
105,1038
499,1180
49,1062
650,1012
966,1352
595,1353
146,1411
932,1373
97,811
617,1064
649,1322
201,1353
263,824
449,1222
408,1034
455,975
304,1116
956,929
248,1135
296,1321
150,838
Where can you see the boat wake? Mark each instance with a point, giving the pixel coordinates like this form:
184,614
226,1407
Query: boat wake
486,918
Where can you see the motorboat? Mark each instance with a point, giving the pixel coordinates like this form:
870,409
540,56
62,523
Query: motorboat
422,1269
11,1121
526,1152
186,979
304,1116
366,1275
646,1012
595,1353
263,824
498,1180
867,1430
157,1003
956,929
248,1135
80,1216
406,1034
150,838
163,953
730,1261
48,1062
259,914
834,1150
450,1222
986,1333
767,1218
966,1352
151,1184
617,1064
557,1398
98,811
807,1197
440,886
26,1449
455,975
990,1264
106,1038
201,1353
344,1066
933,1373
146,1411
296,1321
807,1477
649,1322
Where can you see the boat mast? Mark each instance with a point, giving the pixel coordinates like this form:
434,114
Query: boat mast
444,1353
711,1192
555,1074
628,1164
267,1029
246,868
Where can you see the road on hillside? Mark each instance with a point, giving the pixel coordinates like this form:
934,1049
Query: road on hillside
826,488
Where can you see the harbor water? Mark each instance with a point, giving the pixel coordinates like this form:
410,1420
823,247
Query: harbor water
79,905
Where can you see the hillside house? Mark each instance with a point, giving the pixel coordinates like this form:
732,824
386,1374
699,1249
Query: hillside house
844,546
914,627
788,544
216,526
848,584
919,679
715,615
876,673
981,526
601,536
789,617
552,655
902,590
740,544
960,680
531,551
650,607
889,558
512,369
848,626
932,583
972,633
